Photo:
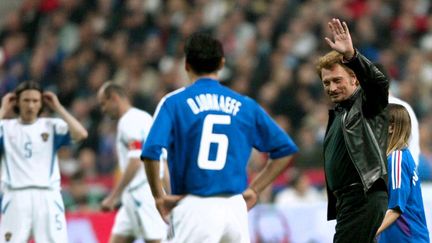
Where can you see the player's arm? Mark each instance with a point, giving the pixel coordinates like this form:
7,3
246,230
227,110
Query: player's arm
8,102
264,178
166,177
110,201
269,138
390,217
164,203
152,171
77,131
158,139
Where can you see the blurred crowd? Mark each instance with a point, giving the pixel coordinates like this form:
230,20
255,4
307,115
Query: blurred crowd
73,46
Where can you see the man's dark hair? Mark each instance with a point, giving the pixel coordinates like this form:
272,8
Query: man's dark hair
109,88
203,53
27,85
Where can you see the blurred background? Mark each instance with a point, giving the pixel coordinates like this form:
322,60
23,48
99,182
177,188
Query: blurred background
73,46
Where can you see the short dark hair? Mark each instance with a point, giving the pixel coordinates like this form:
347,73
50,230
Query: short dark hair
203,53
27,85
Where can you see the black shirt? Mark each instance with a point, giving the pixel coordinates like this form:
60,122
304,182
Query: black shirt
339,168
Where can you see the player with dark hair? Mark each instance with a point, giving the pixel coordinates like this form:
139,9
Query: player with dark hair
209,132
137,217
30,180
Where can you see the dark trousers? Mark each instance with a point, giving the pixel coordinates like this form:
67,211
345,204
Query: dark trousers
359,215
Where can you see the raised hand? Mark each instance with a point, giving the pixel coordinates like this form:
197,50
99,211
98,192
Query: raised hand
341,42
51,100
8,103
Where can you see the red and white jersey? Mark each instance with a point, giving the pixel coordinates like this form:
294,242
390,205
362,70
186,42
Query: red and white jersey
132,130
29,152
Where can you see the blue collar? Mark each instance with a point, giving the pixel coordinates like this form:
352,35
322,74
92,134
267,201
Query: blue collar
206,81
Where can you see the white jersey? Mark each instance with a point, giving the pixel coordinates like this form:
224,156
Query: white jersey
132,130
414,140
29,152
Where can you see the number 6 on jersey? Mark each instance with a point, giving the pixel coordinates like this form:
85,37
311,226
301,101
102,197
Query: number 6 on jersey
208,137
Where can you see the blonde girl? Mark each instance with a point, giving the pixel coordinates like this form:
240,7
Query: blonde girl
405,218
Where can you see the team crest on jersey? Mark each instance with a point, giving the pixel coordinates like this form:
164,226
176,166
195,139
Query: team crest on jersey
45,136
8,236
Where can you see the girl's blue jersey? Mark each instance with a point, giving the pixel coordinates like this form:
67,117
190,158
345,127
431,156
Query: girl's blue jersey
209,132
405,195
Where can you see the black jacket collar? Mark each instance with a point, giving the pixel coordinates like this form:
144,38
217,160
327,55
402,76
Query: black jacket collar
346,104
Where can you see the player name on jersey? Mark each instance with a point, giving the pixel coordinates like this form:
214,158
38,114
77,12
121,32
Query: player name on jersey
214,102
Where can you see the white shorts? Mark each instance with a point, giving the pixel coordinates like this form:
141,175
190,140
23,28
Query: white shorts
138,216
37,212
210,220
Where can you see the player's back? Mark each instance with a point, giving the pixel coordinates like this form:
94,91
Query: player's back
213,130
132,130
28,152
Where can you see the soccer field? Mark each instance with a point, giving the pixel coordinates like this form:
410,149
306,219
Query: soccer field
267,223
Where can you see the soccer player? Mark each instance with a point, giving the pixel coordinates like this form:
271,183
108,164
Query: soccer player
209,132
32,204
138,216
405,219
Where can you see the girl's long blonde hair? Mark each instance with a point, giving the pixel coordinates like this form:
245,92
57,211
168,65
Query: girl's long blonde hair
399,128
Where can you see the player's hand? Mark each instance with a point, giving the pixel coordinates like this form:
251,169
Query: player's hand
51,100
341,42
8,102
166,203
109,203
251,198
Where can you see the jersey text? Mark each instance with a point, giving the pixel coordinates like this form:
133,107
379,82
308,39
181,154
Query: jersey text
214,102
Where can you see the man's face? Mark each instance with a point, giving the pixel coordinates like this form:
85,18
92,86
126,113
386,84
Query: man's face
29,104
338,83
108,105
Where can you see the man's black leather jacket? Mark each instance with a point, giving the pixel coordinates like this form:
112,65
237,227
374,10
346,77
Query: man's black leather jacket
365,126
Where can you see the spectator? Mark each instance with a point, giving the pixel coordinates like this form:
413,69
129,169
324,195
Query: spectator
298,191
78,196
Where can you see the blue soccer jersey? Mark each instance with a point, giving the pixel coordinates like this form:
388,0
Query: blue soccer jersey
209,131
405,195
